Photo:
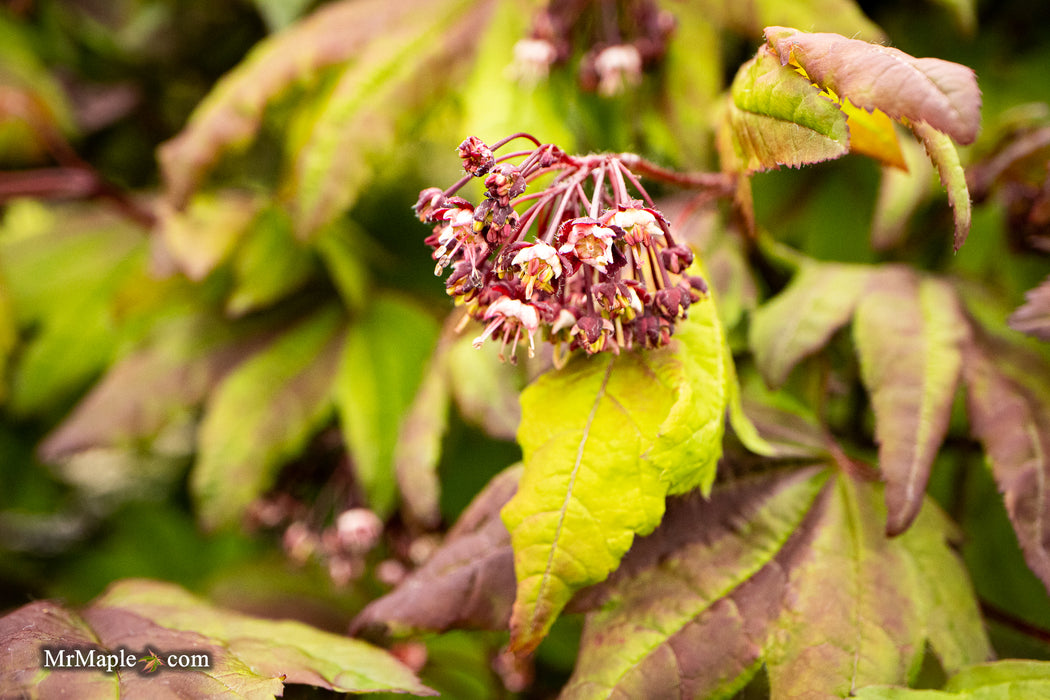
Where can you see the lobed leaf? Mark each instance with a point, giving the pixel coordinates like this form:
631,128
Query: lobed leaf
262,414
249,657
380,370
1013,423
908,332
777,117
1033,317
946,159
605,440
801,319
467,583
790,570
954,625
939,93
393,75
676,619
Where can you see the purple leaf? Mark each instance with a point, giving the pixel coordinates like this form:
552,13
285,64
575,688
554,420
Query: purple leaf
1012,421
467,582
1033,317
908,333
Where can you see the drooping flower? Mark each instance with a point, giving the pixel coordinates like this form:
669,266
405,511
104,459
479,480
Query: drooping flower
588,241
512,315
640,224
538,264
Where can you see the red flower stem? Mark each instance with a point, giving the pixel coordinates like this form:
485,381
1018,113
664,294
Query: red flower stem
456,185
722,183
519,135
634,181
596,201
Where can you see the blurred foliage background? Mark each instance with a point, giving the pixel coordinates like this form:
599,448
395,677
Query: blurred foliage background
219,328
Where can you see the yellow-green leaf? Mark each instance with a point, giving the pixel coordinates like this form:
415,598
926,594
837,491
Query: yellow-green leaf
777,117
802,318
262,414
604,441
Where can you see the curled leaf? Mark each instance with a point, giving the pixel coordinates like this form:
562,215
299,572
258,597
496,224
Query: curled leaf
939,93
946,159
777,117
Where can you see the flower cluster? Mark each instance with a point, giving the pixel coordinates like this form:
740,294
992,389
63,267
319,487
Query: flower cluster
583,264
618,41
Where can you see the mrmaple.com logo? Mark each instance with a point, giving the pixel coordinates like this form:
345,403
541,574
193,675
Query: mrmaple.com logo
148,661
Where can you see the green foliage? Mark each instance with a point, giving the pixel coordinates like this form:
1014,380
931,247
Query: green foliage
760,453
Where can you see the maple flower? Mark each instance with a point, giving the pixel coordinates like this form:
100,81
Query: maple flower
476,156
640,224
456,233
512,315
539,264
532,61
588,241
618,67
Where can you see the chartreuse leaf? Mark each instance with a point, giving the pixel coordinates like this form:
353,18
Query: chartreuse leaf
245,656
8,333
954,627
908,333
392,76
262,414
1009,679
940,93
604,441
231,115
777,117
787,569
62,278
873,134
496,102
801,319
204,235
946,159
380,370
269,264
842,16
